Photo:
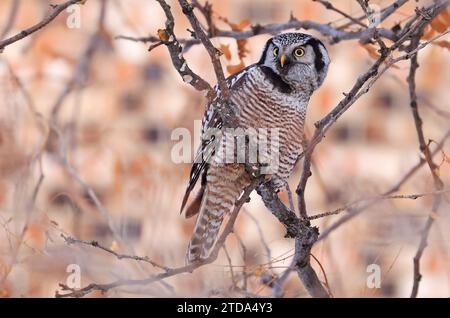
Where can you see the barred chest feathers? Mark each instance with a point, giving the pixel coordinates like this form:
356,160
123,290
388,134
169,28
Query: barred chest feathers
260,102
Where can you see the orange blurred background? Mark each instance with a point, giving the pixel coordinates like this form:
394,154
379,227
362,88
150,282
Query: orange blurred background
118,120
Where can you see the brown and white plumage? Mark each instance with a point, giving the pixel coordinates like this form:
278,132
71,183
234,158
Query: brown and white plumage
273,93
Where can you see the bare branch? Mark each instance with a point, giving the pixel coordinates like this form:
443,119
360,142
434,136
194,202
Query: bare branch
356,211
226,112
361,87
11,18
424,148
305,237
376,199
261,235
230,265
336,34
303,266
385,13
290,197
168,38
325,277
277,287
56,10
324,29
214,53
300,190
82,69
244,258
170,271
70,240
330,6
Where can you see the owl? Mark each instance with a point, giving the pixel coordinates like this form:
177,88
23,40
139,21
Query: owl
270,95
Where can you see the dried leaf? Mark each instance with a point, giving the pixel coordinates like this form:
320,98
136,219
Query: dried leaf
225,49
259,271
242,48
445,15
373,53
428,33
163,36
437,171
34,234
241,44
444,44
438,25
114,246
232,69
242,25
239,26
447,158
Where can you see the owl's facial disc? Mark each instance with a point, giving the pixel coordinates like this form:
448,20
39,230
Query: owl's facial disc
297,58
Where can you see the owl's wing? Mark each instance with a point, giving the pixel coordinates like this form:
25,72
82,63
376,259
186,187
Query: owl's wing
211,120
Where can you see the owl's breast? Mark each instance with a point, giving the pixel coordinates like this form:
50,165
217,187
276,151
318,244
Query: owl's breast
260,105
277,116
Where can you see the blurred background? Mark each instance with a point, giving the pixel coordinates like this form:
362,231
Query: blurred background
117,104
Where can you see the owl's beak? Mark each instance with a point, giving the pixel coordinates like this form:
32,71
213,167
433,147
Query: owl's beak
282,60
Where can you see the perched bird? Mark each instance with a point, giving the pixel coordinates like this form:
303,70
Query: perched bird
272,94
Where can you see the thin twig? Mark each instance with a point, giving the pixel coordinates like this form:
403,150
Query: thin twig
376,199
70,240
290,197
331,7
225,110
168,37
171,271
83,65
326,283
385,13
356,211
336,34
261,235
424,148
277,287
56,10
230,266
11,18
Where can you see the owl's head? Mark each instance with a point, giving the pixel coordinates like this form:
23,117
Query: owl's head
299,59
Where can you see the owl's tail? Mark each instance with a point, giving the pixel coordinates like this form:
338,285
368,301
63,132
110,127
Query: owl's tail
218,199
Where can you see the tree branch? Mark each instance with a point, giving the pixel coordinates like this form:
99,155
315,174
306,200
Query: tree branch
438,184
335,34
169,272
11,19
168,38
57,9
376,199
70,240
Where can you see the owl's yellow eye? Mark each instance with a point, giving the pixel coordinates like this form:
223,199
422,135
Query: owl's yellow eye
275,51
299,52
